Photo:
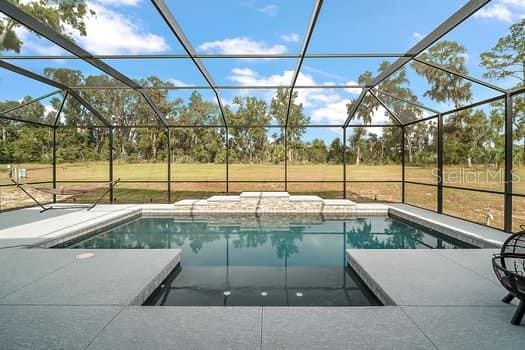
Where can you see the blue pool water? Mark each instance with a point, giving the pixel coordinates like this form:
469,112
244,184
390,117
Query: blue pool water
265,261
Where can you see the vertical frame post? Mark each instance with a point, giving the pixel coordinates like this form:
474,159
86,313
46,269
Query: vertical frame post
168,131
110,156
344,162
54,161
227,160
286,158
403,164
440,132
508,164
55,123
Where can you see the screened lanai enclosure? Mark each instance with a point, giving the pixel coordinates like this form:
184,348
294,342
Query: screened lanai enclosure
431,114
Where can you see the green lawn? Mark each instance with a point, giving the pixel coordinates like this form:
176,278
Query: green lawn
467,204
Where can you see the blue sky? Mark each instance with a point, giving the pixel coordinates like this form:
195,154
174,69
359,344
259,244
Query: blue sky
271,26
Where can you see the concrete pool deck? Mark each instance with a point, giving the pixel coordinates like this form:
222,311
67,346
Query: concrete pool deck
452,296
49,299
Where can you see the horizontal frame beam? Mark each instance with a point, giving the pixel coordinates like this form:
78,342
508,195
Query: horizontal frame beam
173,126
471,189
517,91
222,87
223,181
210,56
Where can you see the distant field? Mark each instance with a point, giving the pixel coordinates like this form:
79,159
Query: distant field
468,204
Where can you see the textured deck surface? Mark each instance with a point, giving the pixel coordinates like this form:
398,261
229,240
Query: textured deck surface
452,296
51,300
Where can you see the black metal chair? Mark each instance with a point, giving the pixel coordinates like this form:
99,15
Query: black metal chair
509,267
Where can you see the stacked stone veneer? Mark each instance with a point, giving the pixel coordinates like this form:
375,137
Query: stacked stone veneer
264,202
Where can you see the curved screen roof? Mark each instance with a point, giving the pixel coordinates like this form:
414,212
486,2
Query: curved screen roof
331,54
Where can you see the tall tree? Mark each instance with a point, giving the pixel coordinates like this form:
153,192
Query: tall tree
364,113
335,152
249,143
445,87
278,109
317,152
197,144
396,85
507,60
65,16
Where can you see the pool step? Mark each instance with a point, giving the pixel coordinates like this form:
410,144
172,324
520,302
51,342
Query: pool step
264,202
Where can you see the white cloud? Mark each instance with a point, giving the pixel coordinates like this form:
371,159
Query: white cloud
240,45
291,38
335,112
322,105
497,11
270,10
109,32
247,76
353,91
508,11
34,45
177,82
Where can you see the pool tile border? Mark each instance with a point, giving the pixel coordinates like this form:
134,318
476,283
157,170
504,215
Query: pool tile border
475,239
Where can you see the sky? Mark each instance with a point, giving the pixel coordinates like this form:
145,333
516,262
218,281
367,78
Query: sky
271,26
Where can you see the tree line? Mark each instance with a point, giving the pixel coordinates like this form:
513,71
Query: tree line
472,136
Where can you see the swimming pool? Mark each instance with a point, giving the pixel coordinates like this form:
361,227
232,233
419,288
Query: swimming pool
271,260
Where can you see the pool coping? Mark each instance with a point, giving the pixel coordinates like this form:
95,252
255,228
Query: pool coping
157,279
487,238
56,232
370,282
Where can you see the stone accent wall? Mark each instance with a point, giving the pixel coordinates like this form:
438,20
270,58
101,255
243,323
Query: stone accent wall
264,203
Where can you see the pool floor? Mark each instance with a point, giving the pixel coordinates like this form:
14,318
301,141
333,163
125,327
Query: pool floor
262,286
